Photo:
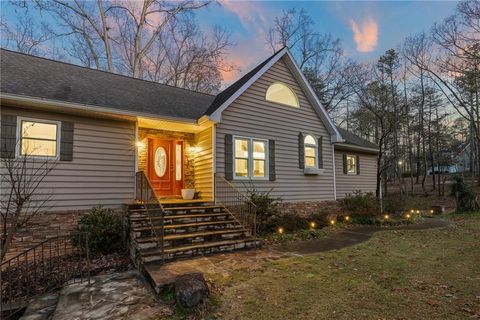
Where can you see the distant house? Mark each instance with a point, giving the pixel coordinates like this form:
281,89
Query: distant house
465,158
268,129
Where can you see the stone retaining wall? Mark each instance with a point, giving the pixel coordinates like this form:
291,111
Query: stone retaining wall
307,208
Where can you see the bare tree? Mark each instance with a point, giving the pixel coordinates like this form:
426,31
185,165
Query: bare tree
24,36
22,197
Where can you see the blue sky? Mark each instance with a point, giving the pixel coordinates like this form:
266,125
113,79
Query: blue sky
366,29
380,25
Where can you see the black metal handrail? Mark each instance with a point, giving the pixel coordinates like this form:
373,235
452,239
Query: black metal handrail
41,269
237,203
146,196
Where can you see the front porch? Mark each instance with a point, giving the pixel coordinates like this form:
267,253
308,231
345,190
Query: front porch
176,156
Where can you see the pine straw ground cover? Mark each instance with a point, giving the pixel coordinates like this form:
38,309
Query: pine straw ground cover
428,274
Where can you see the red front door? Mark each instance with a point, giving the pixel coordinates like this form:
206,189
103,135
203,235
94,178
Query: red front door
165,166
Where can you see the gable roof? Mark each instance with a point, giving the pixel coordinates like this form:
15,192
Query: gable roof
31,76
223,96
229,95
354,140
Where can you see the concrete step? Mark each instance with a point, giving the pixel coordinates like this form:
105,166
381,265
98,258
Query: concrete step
154,218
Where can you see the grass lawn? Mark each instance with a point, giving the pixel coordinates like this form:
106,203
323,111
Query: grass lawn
430,274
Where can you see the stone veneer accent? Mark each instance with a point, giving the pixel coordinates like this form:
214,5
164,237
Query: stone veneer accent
188,138
307,208
41,227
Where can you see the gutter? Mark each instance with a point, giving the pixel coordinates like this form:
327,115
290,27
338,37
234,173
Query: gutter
352,146
86,107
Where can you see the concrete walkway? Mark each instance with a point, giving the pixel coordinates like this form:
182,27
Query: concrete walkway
225,263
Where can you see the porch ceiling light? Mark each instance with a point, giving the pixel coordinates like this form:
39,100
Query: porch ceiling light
140,144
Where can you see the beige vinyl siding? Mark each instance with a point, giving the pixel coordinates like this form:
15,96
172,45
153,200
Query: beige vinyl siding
103,168
204,163
251,116
348,183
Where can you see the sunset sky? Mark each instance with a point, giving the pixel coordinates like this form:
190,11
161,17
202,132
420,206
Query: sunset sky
366,29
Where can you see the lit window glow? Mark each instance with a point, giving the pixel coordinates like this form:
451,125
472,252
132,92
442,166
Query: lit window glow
38,138
280,93
250,158
311,146
178,162
351,164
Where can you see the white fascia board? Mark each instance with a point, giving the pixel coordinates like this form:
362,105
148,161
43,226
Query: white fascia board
86,107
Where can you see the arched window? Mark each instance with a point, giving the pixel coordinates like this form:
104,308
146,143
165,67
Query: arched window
280,93
311,146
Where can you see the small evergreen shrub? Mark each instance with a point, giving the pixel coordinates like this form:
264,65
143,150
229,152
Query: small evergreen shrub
464,195
361,204
268,211
104,230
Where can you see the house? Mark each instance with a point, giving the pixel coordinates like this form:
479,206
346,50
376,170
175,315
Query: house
267,130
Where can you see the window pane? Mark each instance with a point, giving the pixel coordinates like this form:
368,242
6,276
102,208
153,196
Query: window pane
241,148
351,164
310,162
310,152
310,140
241,168
280,93
178,162
259,149
39,130
32,147
259,168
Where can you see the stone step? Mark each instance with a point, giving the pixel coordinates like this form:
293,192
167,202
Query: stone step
185,225
192,235
155,218
154,254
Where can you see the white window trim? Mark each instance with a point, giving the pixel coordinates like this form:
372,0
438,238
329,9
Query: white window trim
19,137
283,104
315,146
354,157
250,159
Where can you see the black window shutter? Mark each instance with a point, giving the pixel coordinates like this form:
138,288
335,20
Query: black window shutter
358,164
8,141
66,141
345,171
320,153
228,157
271,160
301,151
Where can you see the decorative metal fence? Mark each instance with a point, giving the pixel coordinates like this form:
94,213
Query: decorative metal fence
43,268
237,203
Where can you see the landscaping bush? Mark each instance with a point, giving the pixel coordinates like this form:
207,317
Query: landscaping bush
361,204
267,209
464,195
104,230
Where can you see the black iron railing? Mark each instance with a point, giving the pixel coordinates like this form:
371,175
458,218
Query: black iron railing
146,196
43,268
237,203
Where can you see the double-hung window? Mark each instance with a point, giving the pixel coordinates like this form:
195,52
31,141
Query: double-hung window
38,138
251,159
311,151
351,164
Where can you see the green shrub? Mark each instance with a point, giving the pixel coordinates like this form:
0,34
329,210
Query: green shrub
267,208
464,195
289,222
394,204
361,204
104,230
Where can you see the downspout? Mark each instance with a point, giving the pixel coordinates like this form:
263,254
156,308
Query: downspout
334,174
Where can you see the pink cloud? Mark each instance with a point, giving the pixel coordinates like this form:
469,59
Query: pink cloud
365,34
251,14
